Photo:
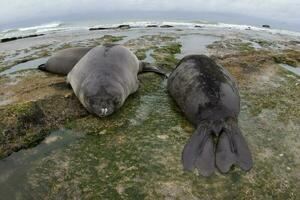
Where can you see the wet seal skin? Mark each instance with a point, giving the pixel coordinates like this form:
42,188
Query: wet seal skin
208,96
63,61
105,77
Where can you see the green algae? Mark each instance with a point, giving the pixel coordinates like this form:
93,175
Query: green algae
107,39
141,53
286,93
282,59
165,55
231,45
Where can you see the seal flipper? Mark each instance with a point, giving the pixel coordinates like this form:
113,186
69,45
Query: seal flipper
199,152
225,155
244,158
147,67
42,67
232,149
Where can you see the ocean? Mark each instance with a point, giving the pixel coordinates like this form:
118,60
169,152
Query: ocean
61,26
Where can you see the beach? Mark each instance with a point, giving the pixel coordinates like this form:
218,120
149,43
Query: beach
52,148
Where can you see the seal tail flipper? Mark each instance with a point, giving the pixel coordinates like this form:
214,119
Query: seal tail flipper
42,67
232,149
244,158
147,67
199,152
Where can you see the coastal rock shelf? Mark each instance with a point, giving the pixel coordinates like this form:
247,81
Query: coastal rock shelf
51,148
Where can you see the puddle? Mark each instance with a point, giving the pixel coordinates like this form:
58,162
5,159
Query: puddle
195,44
32,64
14,169
149,58
295,70
255,45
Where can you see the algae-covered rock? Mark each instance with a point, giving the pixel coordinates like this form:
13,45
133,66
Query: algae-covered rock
25,124
165,55
289,57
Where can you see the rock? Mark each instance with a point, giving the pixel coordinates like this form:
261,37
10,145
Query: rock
99,28
152,26
166,26
198,26
248,28
125,26
20,37
266,26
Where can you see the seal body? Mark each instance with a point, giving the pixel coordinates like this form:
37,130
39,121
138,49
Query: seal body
208,96
63,61
104,78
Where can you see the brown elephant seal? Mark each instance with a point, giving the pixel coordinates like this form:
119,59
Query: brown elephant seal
105,77
63,61
208,96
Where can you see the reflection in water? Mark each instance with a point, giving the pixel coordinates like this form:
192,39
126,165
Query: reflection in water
14,169
195,44
32,64
295,70
149,58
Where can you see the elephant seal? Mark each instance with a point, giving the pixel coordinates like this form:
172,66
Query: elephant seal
63,61
105,77
208,96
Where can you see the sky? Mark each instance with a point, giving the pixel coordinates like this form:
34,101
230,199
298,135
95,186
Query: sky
23,12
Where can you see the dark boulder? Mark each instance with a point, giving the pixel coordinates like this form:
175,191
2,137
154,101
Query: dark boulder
99,28
151,26
20,37
166,26
126,26
266,26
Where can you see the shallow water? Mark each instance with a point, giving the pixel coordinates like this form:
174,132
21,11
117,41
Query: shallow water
149,58
14,170
295,70
32,64
195,44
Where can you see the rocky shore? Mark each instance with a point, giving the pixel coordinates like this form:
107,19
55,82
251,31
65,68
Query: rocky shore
135,153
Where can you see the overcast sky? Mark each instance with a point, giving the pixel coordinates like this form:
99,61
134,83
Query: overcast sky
16,11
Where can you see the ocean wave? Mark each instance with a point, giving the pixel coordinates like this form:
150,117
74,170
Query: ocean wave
60,26
43,26
203,24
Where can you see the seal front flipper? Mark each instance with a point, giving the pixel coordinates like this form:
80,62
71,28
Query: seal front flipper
147,67
199,152
42,67
232,149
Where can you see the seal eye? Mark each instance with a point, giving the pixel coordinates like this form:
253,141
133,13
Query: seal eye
116,101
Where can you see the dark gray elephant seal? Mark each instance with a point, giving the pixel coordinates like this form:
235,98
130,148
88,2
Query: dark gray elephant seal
63,61
208,96
105,77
